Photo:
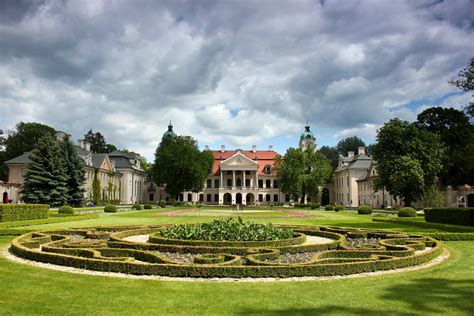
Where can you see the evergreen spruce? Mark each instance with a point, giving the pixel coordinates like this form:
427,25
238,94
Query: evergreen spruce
74,167
45,179
96,198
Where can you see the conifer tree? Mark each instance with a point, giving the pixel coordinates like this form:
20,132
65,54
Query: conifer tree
74,168
45,179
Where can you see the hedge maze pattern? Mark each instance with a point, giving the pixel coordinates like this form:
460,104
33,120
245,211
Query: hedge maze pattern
349,251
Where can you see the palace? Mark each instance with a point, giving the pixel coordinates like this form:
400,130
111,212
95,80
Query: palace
238,176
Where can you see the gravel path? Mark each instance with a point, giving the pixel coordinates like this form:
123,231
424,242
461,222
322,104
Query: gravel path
137,238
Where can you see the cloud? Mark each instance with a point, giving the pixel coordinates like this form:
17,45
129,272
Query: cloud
237,73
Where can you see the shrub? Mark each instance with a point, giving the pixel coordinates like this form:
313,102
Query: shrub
110,209
66,209
162,204
21,212
364,209
136,207
230,229
147,207
406,212
339,207
314,205
456,216
329,207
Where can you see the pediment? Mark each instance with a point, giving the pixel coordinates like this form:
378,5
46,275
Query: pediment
239,161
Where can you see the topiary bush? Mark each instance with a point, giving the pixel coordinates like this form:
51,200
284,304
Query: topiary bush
136,207
329,207
147,207
407,212
66,209
110,209
364,209
339,207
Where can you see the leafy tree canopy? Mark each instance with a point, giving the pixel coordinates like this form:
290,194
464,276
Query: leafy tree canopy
465,82
409,159
24,138
180,165
331,154
302,172
349,144
98,143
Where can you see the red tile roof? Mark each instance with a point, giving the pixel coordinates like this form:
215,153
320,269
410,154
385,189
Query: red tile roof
263,157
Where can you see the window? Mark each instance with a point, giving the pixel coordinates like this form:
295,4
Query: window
275,198
208,198
247,172
260,183
267,169
229,172
267,198
216,183
216,198
201,197
229,182
268,183
260,197
275,184
209,183
181,197
247,182
190,197
239,182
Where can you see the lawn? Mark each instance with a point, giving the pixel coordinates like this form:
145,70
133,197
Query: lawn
445,289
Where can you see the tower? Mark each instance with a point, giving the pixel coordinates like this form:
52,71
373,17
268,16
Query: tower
307,139
169,133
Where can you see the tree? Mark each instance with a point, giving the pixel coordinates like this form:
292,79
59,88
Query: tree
96,193
181,166
23,139
45,179
331,154
74,170
302,172
466,83
409,160
456,133
98,143
349,144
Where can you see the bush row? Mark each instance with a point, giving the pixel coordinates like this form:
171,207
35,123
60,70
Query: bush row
47,221
330,266
21,212
450,236
413,222
456,216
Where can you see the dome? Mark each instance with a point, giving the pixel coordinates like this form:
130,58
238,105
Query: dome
307,134
169,133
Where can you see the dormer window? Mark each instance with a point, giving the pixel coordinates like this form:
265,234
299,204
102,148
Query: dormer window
267,169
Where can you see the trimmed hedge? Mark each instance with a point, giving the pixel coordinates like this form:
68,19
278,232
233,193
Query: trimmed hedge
456,216
66,209
364,209
450,236
136,207
410,221
147,207
406,212
329,207
339,207
110,209
21,212
116,260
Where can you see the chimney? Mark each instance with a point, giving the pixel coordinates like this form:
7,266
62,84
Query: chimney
206,147
254,149
270,148
222,148
350,154
361,150
87,145
80,142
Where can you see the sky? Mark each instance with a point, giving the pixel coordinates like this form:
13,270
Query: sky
238,73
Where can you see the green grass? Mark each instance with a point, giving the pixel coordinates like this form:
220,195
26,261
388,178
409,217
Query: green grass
444,289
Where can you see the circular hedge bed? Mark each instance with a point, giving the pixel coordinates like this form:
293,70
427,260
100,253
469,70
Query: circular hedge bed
310,251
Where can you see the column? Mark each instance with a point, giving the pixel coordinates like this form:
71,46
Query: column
243,184
233,179
221,184
256,179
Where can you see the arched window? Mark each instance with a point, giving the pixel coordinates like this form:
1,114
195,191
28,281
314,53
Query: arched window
267,169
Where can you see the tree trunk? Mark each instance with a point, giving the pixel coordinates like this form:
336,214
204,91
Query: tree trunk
303,194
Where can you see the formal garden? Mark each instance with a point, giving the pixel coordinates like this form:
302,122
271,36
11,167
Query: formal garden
272,260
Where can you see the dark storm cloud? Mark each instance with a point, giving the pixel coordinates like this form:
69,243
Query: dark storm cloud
237,72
